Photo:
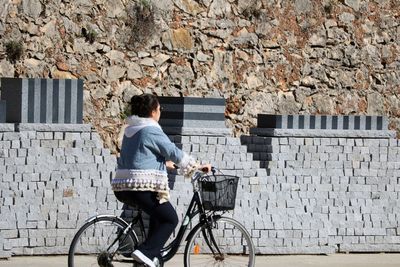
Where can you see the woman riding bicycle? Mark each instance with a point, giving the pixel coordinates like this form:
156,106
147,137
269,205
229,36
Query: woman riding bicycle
141,177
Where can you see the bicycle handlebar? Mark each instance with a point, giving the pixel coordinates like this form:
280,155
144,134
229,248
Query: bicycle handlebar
204,170
198,173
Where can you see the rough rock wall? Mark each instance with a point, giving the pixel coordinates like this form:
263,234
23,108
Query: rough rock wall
286,57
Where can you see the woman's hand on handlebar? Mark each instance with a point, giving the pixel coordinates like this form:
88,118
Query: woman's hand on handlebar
170,165
205,168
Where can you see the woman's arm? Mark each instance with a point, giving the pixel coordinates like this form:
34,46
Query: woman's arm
159,143
172,154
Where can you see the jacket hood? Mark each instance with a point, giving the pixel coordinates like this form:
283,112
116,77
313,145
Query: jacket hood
135,124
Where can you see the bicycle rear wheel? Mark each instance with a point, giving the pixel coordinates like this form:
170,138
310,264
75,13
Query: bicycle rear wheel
232,247
102,242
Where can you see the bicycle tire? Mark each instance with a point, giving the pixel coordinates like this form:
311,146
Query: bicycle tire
233,240
96,244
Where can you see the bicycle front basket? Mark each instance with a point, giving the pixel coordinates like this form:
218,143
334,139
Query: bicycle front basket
218,192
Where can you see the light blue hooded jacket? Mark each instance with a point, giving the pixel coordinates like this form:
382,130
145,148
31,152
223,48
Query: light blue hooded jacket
145,149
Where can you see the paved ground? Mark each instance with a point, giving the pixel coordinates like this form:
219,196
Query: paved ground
336,260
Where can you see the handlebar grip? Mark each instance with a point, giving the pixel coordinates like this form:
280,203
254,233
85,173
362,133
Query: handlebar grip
213,169
205,169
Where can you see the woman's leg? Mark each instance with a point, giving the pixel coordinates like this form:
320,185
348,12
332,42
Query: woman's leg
154,223
163,219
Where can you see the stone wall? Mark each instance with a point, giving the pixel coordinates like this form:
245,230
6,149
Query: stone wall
310,194
277,57
304,194
326,194
52,178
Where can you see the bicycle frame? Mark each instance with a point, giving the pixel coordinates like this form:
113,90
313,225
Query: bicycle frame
205,227
167,253
195,207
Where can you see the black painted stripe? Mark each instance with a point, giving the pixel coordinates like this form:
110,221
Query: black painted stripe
301,122
56,95
67,107
290,121
357,122
193,116
43,100
175,123
379,123
323,122
269,121
312,122
334,122
79,102
2,111
170,100
346,122
31,100
15,112
279,120
368,123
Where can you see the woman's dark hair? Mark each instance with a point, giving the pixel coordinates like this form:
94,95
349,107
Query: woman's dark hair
143,105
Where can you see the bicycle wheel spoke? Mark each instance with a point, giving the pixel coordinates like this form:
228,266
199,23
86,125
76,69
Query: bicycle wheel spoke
102,243
230,238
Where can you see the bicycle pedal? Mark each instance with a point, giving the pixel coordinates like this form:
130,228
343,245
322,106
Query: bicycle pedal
156,262
138,264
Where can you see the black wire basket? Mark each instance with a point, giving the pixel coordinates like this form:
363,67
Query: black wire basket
218,192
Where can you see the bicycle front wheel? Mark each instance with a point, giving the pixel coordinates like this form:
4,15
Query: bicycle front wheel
102,242
222,242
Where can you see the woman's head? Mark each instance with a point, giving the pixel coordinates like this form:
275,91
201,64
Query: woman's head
146,106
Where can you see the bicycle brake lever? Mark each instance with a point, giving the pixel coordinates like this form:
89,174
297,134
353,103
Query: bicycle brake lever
213,170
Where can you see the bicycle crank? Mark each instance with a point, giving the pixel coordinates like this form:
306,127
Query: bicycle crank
219,257
104,260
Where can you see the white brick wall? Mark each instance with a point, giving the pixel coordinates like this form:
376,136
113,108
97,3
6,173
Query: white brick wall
348,192
306,195
50,182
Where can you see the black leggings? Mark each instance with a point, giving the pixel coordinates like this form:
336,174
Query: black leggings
163,219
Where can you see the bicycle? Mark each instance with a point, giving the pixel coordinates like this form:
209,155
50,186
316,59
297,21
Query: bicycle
108,240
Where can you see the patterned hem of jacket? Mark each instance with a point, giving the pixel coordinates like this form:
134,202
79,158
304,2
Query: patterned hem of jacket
142,180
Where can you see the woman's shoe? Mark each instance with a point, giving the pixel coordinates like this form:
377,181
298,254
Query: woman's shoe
138,256
156,262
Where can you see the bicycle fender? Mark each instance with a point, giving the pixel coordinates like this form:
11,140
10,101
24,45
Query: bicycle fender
95,217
